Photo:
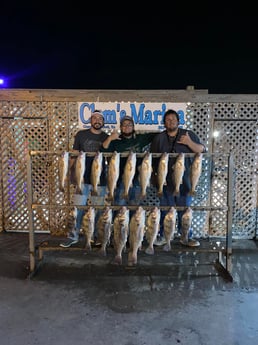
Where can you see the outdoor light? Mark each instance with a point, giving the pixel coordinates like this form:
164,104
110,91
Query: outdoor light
1,81
215,134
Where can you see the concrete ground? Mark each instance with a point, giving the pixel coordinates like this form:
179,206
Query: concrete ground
169,298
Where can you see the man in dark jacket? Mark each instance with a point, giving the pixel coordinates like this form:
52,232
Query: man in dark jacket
176,140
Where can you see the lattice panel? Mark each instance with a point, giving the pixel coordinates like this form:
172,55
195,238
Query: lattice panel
15,143
51,126
239,136
198,119
24,109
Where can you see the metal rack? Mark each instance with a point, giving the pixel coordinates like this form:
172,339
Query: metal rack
223,263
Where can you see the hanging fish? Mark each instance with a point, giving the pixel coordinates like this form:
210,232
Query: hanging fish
121,232
153,224
63,166
145,173
104,226
178,172
195,172
169,225
113,174
96,170
136,234
80,166
129,172
162,172
88,223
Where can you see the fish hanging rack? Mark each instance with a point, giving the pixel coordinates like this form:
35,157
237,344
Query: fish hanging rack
224,267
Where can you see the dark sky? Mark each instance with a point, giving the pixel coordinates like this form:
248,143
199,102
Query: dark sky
48,49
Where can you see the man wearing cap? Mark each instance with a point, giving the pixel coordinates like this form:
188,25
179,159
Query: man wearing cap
86,140
128,140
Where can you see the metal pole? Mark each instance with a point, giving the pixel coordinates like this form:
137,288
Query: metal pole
229,213
30,211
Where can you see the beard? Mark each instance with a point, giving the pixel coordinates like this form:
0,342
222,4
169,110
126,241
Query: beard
97,125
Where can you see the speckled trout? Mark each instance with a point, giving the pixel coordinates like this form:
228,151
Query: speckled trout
195,172
186,224
88,223
169,225
162,172
113,174
153,223
104,228
136,234
80,166
121,232
96,170
145,173
129,173
178,172
63,166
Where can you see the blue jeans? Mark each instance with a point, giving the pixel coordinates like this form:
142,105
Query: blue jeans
168,199
134,195
81,200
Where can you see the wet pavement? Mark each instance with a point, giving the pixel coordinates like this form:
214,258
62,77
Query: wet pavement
77,297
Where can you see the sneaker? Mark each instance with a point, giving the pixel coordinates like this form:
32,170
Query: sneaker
68,243
159,241
190,243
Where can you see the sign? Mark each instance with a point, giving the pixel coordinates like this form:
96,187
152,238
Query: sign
146,116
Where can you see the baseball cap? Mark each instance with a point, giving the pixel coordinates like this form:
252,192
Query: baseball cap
126,118
97,112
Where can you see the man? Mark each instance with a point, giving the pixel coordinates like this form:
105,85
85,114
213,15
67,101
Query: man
87,140
176,140
127,141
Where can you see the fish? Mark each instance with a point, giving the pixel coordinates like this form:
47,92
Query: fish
195,172
162,172
178,172
145,172
169,225
121,232
104,228
63,167
136,234
186,223
80,166
113,174
153,224
88,224
96,170
129,172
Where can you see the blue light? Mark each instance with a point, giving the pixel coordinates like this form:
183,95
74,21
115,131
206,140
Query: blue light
1,81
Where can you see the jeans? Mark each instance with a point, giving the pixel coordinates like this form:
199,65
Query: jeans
81,200
134,195
167,199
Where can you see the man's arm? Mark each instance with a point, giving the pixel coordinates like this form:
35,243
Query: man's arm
113,136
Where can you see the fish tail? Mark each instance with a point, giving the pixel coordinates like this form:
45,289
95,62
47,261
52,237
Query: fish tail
192,193
61,188
94,192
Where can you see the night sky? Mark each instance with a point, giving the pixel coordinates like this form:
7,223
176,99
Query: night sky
43,49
